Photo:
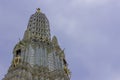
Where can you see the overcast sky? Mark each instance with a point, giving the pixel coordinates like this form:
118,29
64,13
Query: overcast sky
89,30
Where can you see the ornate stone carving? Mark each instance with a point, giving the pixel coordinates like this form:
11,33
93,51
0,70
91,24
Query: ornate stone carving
36,56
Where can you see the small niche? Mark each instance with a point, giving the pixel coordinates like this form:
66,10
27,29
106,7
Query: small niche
18,52
64,61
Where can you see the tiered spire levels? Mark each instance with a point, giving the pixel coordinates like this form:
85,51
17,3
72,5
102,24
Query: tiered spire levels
38,27
36,56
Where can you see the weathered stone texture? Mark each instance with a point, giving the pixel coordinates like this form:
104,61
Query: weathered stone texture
37,56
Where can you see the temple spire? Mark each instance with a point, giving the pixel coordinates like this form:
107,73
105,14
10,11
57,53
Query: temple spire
38,28
36,56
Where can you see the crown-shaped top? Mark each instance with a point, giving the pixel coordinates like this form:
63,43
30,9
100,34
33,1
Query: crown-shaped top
38,10
38,26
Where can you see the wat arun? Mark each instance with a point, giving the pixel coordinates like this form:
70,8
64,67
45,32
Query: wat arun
38,56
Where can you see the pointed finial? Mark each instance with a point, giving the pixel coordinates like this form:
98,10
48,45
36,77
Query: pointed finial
38,9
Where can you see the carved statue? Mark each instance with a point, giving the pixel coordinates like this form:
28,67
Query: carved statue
17,60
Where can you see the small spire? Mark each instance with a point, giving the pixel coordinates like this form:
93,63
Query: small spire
38,10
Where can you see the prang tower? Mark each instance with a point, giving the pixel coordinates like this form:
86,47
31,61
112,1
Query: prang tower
37,56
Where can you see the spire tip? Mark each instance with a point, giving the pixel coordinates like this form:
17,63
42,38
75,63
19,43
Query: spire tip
38,9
